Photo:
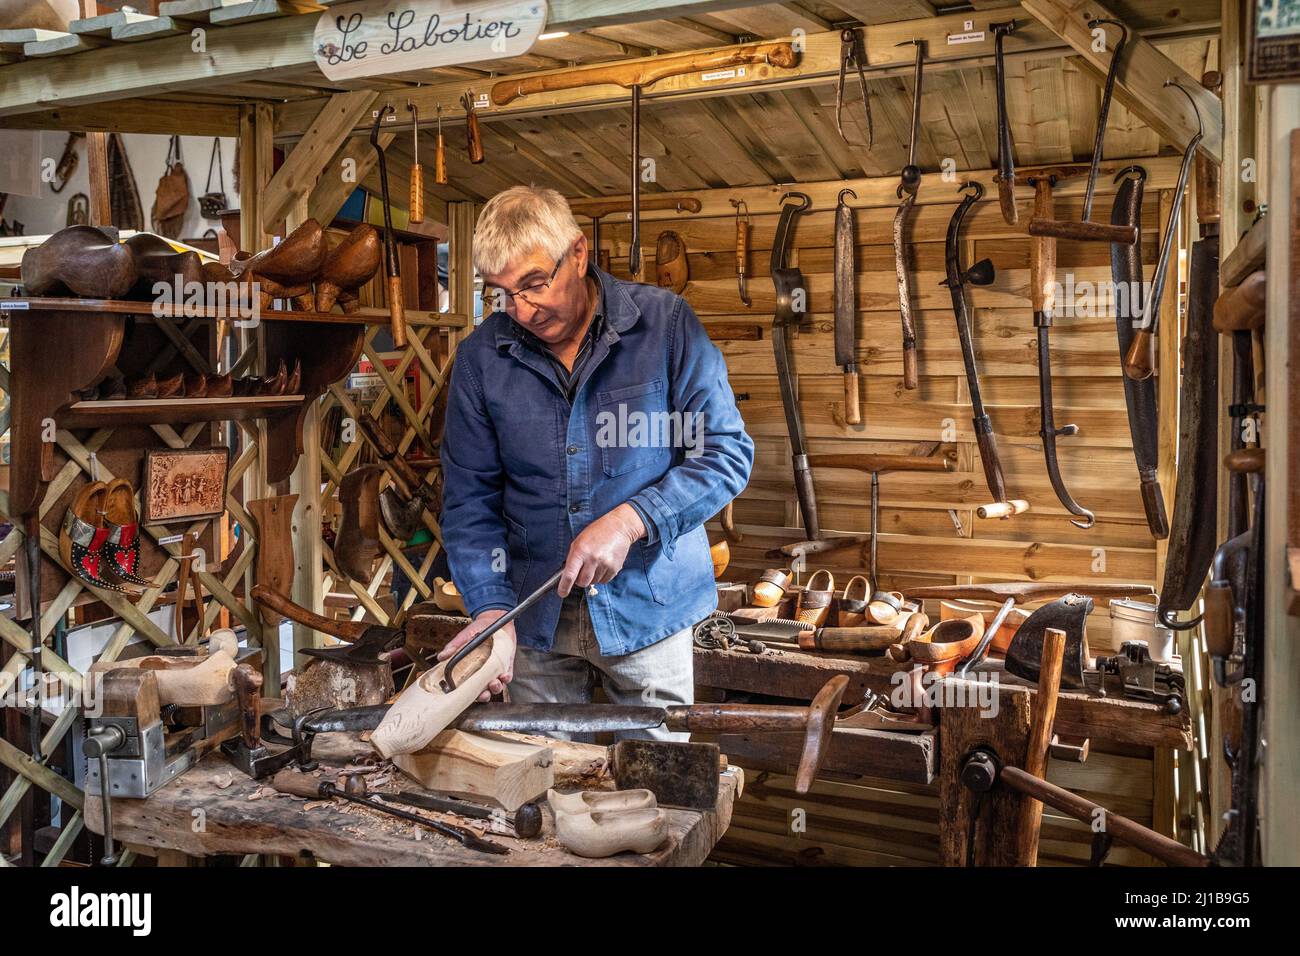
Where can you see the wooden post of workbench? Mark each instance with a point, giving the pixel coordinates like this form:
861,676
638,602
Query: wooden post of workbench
101,205
962,730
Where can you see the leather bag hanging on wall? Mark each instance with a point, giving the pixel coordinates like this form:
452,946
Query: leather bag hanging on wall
211,203
173,195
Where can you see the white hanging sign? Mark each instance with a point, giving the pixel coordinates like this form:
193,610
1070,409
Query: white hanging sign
379,37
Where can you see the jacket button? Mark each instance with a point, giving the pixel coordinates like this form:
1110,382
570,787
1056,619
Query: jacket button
574,509
572,449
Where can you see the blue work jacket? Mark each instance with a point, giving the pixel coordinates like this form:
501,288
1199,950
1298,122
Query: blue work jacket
653,422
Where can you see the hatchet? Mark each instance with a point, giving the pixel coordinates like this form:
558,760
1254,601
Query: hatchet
366,642
403,512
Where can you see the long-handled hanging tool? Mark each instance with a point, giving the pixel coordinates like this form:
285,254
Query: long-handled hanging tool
440,155
909,183
635,76
1006,162
392,262
473,135
1140,361
1085,229
846,303
1192,531
1042,267
742,249
415,211
791,302
853,55
1139,397
957,278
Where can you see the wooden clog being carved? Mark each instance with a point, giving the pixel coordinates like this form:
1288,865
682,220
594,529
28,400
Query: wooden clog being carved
79,260
349,266
424,709
601,833
947,643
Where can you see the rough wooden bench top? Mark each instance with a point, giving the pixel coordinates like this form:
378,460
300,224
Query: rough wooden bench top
799,674
214,809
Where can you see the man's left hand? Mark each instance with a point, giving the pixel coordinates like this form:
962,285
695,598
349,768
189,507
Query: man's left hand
598,552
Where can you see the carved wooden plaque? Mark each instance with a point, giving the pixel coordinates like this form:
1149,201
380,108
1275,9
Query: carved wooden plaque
183,485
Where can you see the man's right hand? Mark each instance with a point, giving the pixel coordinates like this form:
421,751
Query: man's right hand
468,633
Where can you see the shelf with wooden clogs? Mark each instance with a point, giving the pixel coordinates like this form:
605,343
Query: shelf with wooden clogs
150,309
76,343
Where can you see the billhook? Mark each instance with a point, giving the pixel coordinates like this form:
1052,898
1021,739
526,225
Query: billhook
1200,127
1139,173
804,199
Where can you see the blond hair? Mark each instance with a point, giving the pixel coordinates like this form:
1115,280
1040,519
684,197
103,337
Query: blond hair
518,222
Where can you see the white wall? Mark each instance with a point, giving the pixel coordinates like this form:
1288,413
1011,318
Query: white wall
147,155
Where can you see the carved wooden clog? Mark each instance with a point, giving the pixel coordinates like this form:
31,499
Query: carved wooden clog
156,261
853,605
350,265
589,801
79,260
600,833
771,587
815,599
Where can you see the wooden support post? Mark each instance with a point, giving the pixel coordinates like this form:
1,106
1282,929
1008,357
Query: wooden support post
1040,740
962,730
343,174
101,206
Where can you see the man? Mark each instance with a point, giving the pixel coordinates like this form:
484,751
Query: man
590,426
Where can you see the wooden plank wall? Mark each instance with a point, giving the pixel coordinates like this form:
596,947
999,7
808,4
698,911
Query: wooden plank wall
875,822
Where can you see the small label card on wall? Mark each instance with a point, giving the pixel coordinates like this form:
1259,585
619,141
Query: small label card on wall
380,37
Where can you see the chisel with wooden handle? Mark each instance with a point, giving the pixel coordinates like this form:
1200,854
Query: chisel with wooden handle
473,137
440,155
415,212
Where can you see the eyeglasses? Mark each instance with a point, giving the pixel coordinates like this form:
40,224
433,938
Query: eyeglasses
537,288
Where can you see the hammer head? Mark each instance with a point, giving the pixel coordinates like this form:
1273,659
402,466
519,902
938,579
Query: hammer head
401,515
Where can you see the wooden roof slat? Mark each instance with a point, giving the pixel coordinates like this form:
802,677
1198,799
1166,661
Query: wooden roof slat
754,144
500,140
102,25
152,29
769,20
887,11
667,36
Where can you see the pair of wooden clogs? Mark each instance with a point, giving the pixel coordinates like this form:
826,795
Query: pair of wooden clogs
597,823
99,540
289,270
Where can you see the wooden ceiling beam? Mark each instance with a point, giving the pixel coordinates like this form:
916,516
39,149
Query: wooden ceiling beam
257,50
819,64
297,176
1141,78
161,117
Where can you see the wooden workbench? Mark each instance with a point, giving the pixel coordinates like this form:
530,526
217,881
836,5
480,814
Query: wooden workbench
239,816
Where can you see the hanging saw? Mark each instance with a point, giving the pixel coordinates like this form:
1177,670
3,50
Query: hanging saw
1042,267
1192,534
1139,397
635,76
1140,362
957,278
853,55
791,303
392,262
1085,229
846,303
909,183
742,249
1006,162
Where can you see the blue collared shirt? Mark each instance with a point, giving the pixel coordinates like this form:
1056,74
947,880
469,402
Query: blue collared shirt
652,422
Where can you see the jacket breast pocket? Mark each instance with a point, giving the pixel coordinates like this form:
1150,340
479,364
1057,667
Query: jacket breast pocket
634,428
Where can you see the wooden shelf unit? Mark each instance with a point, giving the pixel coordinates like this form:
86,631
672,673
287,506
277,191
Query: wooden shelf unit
76,343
